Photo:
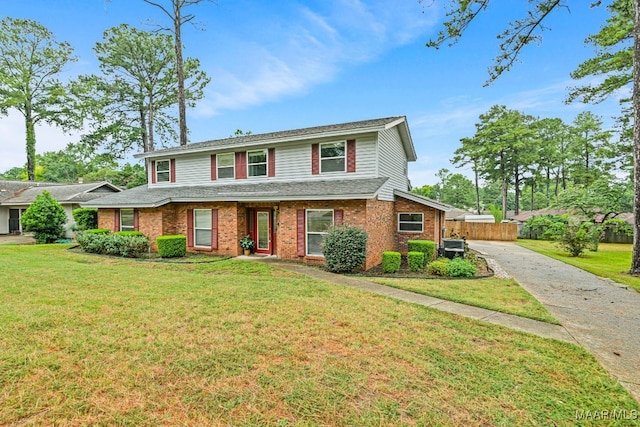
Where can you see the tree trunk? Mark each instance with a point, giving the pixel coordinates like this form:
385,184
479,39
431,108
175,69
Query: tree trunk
31,145
504,196
635,260
152,144
180,71
516,180
475,171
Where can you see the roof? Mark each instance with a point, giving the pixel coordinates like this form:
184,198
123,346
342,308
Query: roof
423,200
63,193
145,197
335,130
10,188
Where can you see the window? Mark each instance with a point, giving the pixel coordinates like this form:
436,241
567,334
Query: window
332,157
257,163
127,220
412,222
226,165
202,227
318,223
163,173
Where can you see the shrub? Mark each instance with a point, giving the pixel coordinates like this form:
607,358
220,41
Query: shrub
391,261
439,267
85,218
113,244
545,227
45,217
173,246
575,239
129,233
98,231
345,248
427,247
459,267
415,261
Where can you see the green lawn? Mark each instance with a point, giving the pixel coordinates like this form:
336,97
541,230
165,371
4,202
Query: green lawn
89,340
503,295
612,260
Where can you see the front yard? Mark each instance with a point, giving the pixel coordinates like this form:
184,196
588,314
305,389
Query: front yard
89,340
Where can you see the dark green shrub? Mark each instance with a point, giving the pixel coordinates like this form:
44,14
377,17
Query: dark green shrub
575,239
85,218
174,246
391,261
545,227
439,267
97,231
427,247
113,244
415,260
459,267
345,248
45,217
129,233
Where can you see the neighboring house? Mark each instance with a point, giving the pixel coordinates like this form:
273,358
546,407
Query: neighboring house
285,189
17,196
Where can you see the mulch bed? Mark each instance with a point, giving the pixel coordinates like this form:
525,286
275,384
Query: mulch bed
405,272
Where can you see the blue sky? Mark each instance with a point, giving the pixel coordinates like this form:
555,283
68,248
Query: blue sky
287,64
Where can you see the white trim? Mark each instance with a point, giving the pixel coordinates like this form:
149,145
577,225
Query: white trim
133,219
266,163
306,229
195,227
411,222
344,156
168,171
233,157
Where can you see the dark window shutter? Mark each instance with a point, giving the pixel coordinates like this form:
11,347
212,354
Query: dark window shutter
153,171
116,220
315,159
172,166
351,155
241,165
190,228
214,168
301,232
136,220
272,162
214,228
338,215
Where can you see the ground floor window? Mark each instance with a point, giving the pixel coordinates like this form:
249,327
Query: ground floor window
412,222
202,227
318,223
127,222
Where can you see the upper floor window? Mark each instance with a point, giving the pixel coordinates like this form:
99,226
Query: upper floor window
226,165
332,157
127,220
412,222
257,163
163,171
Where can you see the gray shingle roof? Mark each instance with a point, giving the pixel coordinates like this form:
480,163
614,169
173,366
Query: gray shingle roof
423,200
287,135
63,193
143,196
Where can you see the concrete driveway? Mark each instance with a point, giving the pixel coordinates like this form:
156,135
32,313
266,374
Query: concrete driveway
602,316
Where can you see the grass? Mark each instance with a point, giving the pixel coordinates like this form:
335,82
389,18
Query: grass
88,340
612,260
503,295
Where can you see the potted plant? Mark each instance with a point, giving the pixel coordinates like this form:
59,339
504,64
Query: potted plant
247,244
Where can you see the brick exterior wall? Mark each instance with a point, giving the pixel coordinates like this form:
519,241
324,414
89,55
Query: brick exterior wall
433,223
381,230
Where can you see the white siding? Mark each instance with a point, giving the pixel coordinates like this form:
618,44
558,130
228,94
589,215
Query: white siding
392,163
4,220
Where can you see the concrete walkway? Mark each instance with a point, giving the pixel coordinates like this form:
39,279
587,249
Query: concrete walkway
601,316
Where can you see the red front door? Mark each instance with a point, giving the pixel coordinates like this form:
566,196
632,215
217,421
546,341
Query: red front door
263,231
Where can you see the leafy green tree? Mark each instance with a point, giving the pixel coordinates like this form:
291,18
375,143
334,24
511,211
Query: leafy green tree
470,154
586,148
606,198
455,189
425,191
13,174
31,61
45,218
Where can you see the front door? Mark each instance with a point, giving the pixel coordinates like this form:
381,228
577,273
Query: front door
263,232
14,220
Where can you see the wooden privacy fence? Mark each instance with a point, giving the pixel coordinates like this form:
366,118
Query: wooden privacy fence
482,231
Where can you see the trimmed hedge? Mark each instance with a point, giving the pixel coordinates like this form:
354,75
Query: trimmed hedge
345,248
97,231
172,246
113,244
415,260
427,247
85,218
129,233
391,261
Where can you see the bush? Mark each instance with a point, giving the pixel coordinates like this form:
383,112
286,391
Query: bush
415,261
113,244
439,267
459,267
427,247
45,217
391,261
545,227
98,231
575,239
174,246
345,248
129,233
85,218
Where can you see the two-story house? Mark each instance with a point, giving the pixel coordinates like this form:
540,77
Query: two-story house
285,189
